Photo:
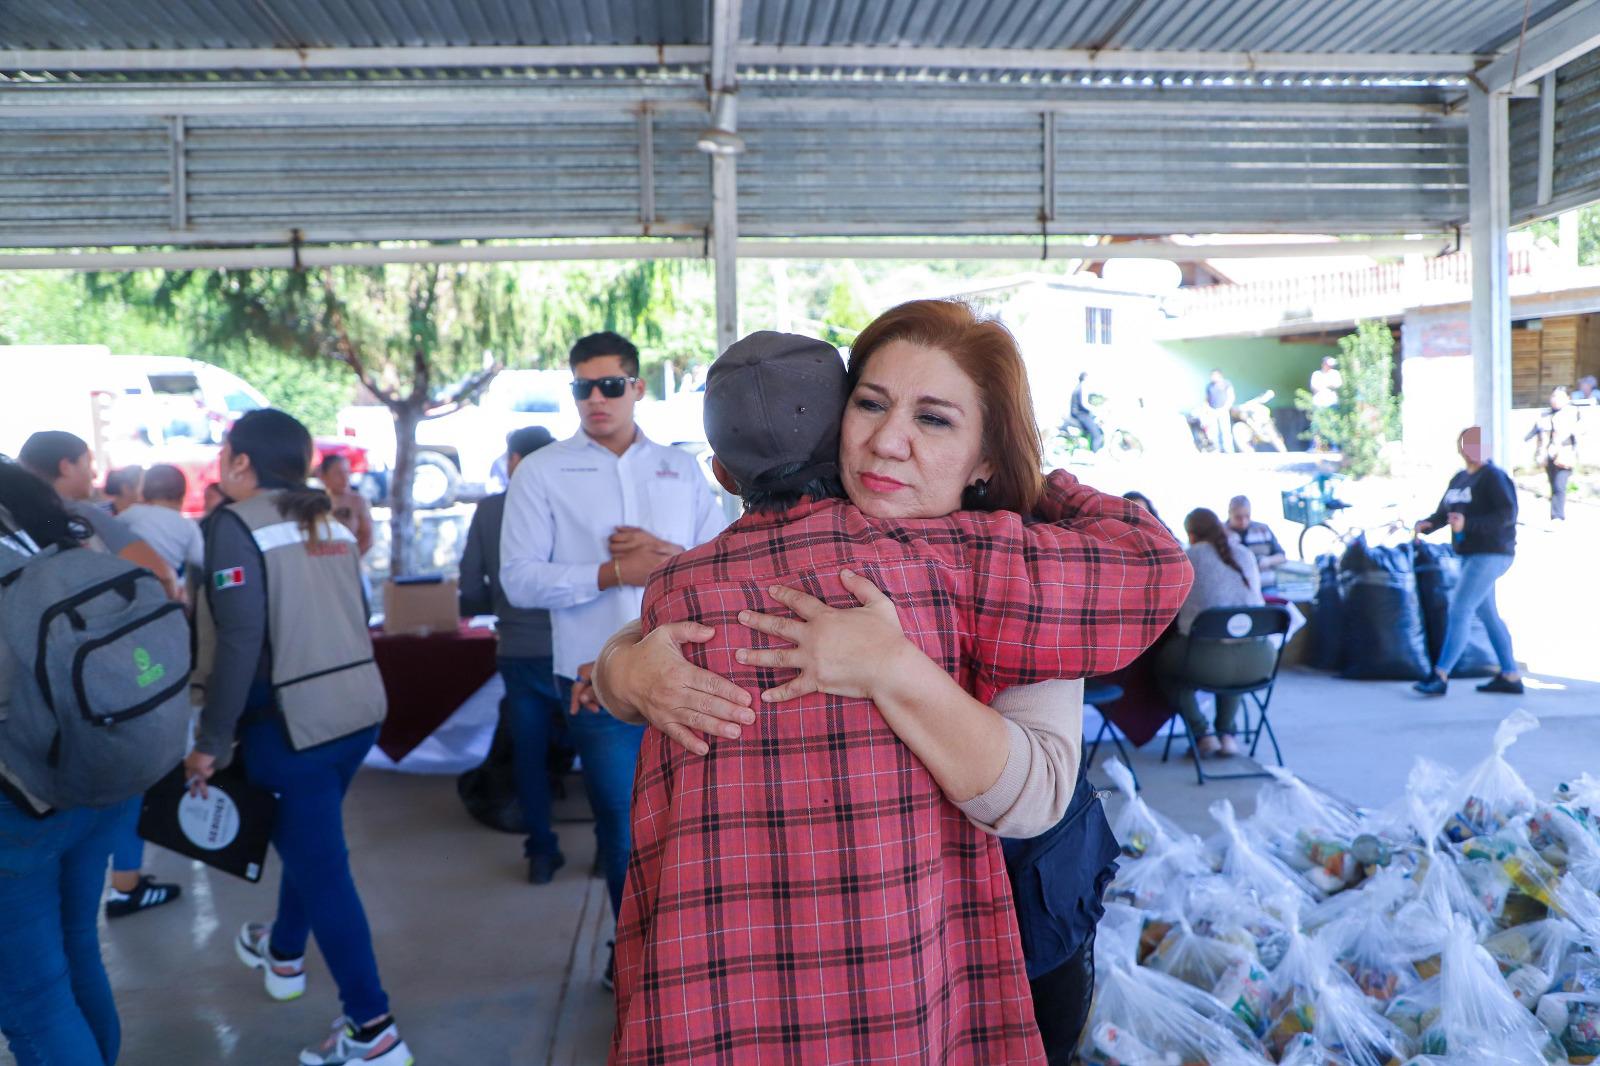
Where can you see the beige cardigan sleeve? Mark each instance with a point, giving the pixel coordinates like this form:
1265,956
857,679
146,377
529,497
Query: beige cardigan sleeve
1035,788
1045,726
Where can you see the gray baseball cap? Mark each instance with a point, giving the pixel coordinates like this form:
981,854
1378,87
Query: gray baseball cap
774,400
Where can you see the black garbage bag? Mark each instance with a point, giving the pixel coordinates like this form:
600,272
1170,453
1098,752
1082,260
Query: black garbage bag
1382,617
1327,613
489,790
1438,570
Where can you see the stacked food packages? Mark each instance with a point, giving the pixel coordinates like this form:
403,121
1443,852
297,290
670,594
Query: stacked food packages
1459,926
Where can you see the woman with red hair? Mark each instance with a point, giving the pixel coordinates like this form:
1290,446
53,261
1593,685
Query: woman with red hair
811,892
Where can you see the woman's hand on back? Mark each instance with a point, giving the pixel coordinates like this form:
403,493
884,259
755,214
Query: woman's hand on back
673,695
841,652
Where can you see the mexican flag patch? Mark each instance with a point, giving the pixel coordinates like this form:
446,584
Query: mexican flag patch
228,579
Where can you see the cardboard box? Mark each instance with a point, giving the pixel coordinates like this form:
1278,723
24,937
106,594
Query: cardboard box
413,607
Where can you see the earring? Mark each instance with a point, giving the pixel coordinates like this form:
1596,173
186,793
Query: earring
980,488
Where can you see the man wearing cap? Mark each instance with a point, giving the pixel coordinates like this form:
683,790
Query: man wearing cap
807,892
586,521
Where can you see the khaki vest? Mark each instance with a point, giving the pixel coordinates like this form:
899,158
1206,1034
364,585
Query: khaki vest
324,677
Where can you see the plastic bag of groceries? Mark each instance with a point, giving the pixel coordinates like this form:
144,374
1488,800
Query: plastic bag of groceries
1215,908
1363,940
1562,833
1225,968
1142,1017
1532,879
1415,1012
1353,1033
1137,826
1421,923
1248,865
1145,882
1493,794
1573,1018
1479,1016
1305,967
1531,956
1311,832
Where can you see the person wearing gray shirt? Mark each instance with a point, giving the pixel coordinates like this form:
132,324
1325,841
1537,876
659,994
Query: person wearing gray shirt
524,657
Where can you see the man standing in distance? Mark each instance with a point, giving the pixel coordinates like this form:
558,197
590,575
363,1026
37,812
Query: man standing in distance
587,519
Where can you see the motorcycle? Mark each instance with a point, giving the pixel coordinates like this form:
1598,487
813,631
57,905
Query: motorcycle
1251,424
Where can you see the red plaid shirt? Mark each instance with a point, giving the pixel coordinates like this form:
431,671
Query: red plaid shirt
806,894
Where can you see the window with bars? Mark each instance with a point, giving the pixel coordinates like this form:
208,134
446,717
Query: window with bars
1097,325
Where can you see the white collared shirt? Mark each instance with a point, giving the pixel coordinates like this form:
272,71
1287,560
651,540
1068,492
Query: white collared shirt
564,503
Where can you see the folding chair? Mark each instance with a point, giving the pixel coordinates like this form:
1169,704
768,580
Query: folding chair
1097,694
1232,625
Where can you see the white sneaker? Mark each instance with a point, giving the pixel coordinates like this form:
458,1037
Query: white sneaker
1208,745
385,1049
285,978
1230,745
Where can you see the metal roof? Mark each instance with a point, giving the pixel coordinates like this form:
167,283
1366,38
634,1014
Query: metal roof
304,121
1354,26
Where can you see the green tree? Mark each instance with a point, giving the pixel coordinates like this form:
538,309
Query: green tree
1367,417
423,339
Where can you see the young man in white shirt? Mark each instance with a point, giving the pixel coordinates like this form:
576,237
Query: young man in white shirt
586,521
160,523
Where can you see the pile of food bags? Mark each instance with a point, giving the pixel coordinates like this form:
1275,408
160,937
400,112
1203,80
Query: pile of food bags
1459,926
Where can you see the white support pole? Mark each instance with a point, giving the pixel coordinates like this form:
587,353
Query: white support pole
1489,184
1547,139
723,83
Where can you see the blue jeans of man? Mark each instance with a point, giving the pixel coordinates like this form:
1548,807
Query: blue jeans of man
55,1001
610,753
317,894
1222,428
127,849
1475,596
534,707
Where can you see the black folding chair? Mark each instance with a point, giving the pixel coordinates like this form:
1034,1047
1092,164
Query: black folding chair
1220,626
1096,694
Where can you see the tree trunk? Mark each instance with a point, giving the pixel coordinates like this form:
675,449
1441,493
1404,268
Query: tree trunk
401,531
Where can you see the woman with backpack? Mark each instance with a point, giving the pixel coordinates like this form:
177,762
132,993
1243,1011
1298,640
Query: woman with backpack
56,1007
293,683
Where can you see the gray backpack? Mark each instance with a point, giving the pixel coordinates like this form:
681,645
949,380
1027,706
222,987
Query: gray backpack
99,707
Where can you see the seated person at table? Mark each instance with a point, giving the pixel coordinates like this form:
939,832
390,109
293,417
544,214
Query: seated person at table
1225,575
1258,537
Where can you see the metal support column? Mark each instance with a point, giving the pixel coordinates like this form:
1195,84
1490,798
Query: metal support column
724,174
1489,180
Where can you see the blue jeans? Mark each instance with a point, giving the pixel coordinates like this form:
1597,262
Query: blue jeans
1475,596
317,894
127,850
534,705
55,1001
610,752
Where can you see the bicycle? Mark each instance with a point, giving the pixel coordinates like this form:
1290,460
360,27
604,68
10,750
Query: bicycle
1314,506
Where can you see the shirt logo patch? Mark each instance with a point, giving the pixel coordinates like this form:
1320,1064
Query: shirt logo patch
667,471
228,579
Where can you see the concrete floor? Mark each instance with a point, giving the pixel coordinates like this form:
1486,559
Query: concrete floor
486,969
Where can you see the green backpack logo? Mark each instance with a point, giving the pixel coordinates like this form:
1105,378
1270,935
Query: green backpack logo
149,672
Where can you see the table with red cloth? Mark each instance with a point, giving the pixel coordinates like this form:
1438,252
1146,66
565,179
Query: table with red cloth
1143,707
427,679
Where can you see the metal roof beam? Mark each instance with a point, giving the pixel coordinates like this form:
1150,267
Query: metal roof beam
149,60
1550,44
288,257
1109,59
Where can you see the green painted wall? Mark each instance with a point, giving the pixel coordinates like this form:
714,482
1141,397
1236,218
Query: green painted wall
1251,363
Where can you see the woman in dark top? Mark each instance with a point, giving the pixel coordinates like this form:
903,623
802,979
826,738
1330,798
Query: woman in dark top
1480,507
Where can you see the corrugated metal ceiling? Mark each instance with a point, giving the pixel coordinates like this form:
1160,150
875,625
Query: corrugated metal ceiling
1400,26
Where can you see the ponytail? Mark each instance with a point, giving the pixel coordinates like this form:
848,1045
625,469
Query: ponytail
1203,526
279,448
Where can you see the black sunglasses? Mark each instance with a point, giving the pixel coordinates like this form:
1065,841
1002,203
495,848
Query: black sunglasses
610,388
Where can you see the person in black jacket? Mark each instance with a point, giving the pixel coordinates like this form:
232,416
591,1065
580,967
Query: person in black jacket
524,657
1480,507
